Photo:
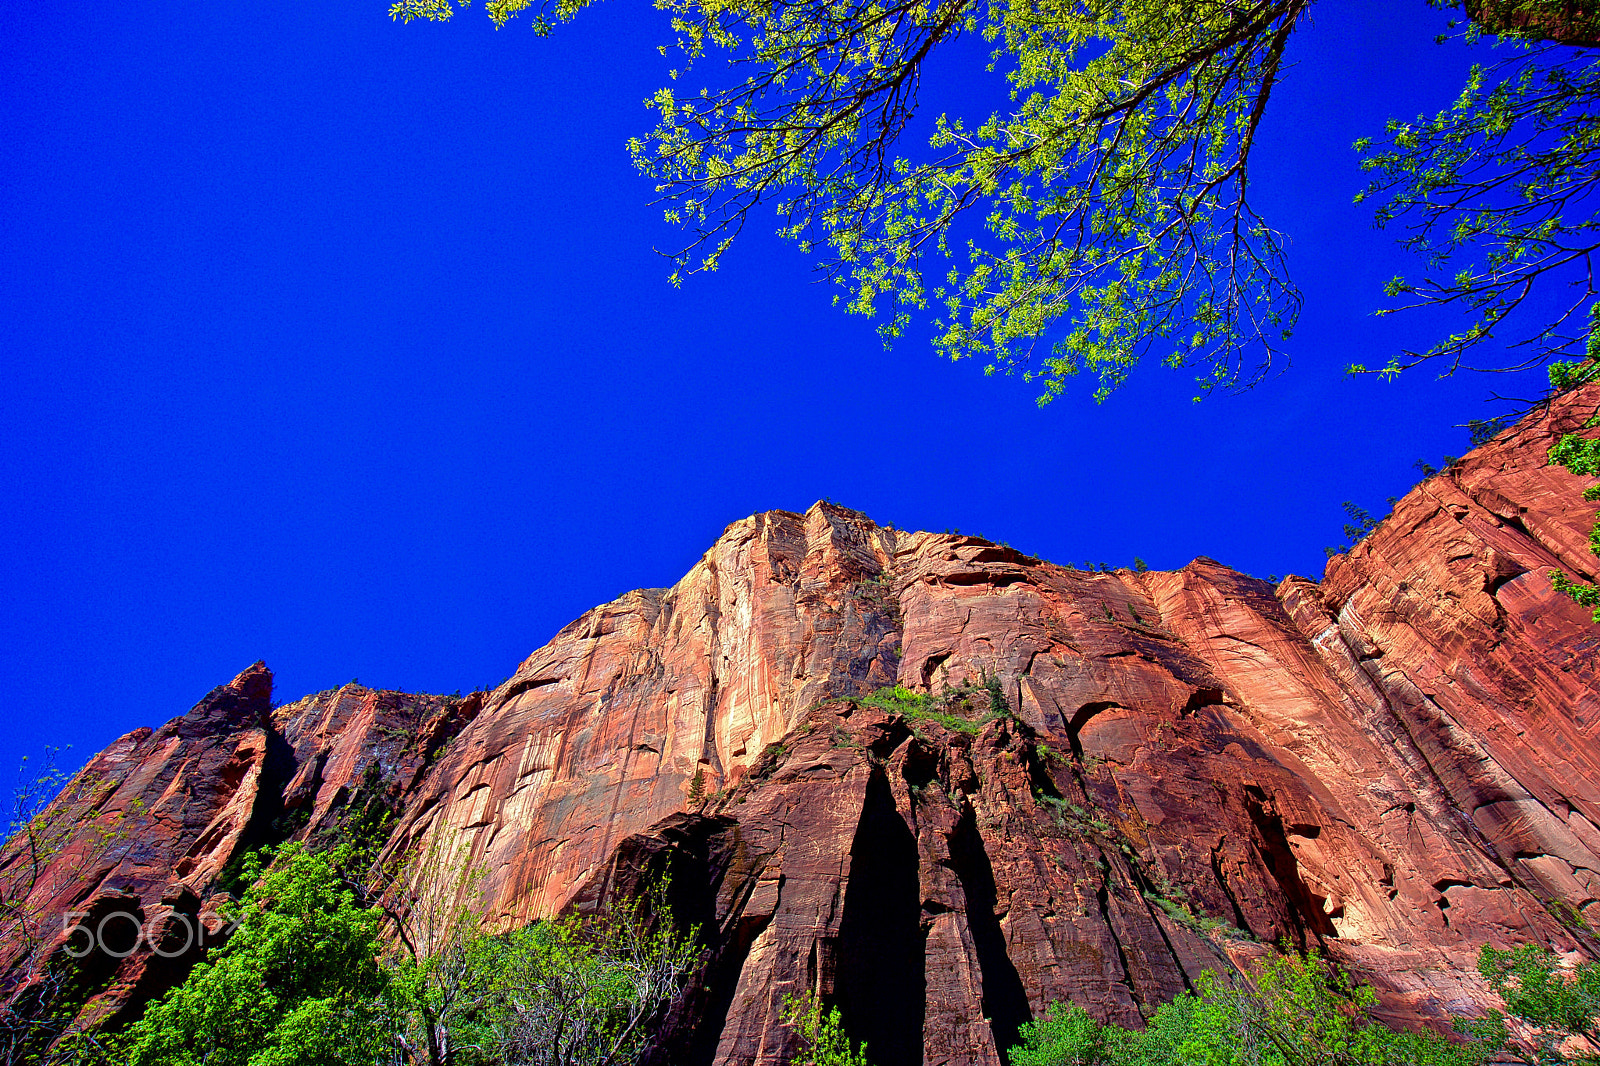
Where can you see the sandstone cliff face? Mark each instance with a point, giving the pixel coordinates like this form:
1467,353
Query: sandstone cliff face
599,733
1395,765
163,812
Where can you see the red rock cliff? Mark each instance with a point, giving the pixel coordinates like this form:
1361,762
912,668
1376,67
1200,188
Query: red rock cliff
1395,765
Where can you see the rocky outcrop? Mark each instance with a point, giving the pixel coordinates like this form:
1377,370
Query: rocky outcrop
1131,777
601,732
153,830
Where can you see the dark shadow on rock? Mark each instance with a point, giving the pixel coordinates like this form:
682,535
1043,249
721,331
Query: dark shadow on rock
1005,1003
880,983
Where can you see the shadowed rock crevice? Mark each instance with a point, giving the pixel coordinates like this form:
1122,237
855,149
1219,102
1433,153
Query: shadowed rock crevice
1041,781
181,937
1005,1002
1082,718
1203,697
269,823
1102,897
102,935
879,976
921,765
705,1013
1304,907
1239,920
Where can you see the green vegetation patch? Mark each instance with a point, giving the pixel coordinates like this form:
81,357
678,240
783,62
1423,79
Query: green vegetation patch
954,707
337,961
1295,1011
1581,456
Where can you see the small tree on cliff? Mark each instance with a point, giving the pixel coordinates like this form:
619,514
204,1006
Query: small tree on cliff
823,1041
1107,212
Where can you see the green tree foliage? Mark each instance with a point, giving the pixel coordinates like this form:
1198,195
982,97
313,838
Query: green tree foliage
1104,212
325,972
297,983
823,1041
1106,206
437,989
570,993
1581,455
1495,192
1570,21
1305,1012
1555,1005
1293,1012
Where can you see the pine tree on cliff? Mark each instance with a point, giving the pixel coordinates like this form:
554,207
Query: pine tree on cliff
1109,208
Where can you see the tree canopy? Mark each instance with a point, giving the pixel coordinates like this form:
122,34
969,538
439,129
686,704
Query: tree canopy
1500,187
297,982
1105,213
342,961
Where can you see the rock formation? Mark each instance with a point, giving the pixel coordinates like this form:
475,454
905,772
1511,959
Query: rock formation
1137,776
1569,22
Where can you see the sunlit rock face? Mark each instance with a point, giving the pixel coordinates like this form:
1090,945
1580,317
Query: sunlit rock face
601,732
1173,770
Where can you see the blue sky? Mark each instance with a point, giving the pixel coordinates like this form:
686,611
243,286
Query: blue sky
343,344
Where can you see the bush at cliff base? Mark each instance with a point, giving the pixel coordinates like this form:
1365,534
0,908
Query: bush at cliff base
1304,1012
297,983
565,992
305,981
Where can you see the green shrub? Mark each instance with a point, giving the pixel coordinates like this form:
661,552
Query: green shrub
1293,1012
1580,455
297,983
998,706
952,708
306,979
1304,1012
1552,1005
896,699
822,1037
571,992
